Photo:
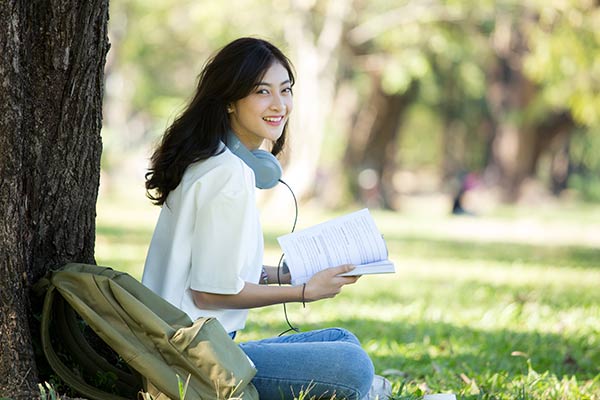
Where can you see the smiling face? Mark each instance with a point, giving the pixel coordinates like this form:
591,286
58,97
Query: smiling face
265,111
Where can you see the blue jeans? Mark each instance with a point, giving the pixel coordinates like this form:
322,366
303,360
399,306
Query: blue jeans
323,362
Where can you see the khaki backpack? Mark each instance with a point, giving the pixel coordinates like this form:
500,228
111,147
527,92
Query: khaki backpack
159,342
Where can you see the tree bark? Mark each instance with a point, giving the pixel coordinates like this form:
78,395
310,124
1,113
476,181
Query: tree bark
51,87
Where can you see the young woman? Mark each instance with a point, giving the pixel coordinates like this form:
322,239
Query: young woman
206,253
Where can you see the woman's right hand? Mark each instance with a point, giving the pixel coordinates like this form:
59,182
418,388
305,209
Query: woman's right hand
327,284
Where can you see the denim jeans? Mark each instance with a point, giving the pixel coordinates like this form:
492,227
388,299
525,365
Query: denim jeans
323,362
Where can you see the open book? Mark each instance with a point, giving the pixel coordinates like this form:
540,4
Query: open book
349,239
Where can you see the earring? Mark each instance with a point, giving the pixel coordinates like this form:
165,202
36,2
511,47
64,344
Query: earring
229,109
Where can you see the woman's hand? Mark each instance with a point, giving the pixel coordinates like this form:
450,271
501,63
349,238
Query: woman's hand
326,284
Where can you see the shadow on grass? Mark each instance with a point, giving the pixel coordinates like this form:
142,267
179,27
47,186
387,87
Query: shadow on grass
436,348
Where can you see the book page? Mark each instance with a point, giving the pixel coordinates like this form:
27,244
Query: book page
350,239
377,267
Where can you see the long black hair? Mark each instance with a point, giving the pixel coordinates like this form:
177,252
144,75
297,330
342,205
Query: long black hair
196,133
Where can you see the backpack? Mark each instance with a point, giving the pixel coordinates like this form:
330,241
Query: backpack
158,342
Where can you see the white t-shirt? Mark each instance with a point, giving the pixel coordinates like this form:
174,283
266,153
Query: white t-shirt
208,238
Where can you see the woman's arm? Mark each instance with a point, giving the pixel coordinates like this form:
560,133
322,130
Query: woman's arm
325,284
251,296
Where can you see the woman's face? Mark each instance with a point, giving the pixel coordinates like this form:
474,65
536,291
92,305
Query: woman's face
265,111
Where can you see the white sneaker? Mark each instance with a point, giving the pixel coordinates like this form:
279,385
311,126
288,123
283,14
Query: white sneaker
381,389
440,396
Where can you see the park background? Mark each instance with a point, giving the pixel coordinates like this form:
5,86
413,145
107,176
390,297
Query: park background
396,104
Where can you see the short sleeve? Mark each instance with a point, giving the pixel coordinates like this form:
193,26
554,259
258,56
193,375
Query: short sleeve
222,225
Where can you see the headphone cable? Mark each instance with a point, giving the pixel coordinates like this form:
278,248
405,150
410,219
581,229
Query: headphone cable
281,263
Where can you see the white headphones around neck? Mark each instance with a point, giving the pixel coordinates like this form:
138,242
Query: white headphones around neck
267,170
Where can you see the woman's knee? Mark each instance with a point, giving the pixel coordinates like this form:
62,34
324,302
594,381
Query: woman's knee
358,370
342,335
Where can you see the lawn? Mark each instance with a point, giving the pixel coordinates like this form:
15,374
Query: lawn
501,306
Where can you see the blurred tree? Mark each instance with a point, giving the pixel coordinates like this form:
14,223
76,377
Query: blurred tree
564,63
372,145
539,94
519,138
314,30
471,61
456,53
406,47
391,70
510,92
503,82
51,85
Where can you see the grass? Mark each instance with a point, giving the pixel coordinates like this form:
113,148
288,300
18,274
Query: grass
501,306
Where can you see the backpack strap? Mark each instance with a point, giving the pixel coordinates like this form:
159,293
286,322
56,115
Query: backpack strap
64,372
83,353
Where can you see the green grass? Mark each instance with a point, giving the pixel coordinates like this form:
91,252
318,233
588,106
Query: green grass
502,306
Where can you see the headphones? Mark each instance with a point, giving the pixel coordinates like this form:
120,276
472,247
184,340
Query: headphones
267,170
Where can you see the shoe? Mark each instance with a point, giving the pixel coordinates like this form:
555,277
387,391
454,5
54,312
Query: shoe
381,389
440,396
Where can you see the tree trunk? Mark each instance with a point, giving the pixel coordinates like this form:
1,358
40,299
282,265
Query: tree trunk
561,166
51,87
517,147
509,94
315,56
553,135
372,147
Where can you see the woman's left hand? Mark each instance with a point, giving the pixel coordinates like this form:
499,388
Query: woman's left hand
327,283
